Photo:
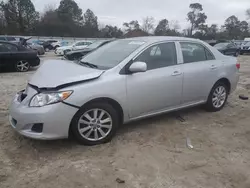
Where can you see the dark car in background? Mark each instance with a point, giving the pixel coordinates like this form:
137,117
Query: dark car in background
17,57
78,54
228,48
245,48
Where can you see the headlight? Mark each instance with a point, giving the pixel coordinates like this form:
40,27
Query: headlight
43,99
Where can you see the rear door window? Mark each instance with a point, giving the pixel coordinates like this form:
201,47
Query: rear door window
193,52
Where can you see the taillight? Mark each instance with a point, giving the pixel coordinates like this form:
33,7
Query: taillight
238,65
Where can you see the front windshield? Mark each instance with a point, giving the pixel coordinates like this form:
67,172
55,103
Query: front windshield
221,45
95,44
112,54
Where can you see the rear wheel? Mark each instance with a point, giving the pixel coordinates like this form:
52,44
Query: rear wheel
22,66
95,124
217,97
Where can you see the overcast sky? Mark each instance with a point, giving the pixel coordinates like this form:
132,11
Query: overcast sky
115,12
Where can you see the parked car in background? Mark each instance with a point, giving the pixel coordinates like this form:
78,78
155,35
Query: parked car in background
38,48
17,57
245,48
122,81
228,48
78,54
40,42
75,46
7,38
59,44
47,45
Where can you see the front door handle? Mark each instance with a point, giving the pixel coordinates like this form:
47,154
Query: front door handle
213,67
176,73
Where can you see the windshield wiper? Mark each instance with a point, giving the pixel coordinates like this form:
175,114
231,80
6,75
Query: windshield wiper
88,64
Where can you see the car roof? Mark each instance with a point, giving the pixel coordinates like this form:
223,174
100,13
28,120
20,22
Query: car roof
153,39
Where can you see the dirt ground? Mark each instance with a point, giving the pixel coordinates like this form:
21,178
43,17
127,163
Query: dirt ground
151,153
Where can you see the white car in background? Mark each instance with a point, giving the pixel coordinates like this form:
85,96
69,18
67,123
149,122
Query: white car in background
75,46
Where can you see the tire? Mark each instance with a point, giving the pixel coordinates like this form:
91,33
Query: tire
91,127
22,66
210,106
236,54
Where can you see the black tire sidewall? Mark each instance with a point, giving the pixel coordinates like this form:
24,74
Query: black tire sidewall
209,105
105,106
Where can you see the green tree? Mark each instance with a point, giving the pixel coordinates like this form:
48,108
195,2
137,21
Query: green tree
196,17
50,24
233,27
69,11
20,15
90,24
132,25
162,28
111,32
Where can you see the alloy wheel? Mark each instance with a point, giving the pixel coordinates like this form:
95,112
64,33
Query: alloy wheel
95,124
219,96
22,66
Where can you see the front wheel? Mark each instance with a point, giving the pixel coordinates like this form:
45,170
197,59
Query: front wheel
22,66
95,124
236,54
217,97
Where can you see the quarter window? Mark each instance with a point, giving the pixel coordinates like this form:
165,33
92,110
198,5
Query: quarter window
160,55
195,52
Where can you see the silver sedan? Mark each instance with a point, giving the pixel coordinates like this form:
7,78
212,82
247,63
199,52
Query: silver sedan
122,81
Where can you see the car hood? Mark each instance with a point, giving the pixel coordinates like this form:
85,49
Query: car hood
80,51
55,73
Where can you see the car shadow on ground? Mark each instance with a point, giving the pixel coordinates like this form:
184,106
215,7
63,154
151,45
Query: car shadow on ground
12,70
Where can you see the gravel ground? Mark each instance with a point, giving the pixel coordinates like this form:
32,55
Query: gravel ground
151,153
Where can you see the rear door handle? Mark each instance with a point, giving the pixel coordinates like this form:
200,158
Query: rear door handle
176,73
213,67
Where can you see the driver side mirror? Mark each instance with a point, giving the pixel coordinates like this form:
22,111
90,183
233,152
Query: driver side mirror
138,67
